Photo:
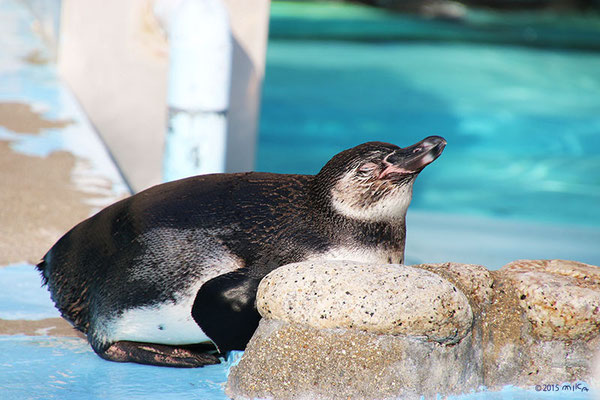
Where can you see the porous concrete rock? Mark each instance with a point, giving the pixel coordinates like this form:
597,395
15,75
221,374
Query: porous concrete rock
298,362
475,281
542,325
378,298
560,298
595,380
533,323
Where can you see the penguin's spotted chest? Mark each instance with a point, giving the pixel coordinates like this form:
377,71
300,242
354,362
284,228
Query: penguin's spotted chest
151,277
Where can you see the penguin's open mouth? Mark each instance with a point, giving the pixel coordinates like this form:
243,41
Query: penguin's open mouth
411,160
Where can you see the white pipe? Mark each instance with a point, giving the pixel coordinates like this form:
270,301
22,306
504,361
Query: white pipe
200,53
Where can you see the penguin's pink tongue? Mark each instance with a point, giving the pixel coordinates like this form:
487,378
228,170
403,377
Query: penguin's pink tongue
393,169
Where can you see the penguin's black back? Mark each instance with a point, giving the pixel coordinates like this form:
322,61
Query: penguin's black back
145,249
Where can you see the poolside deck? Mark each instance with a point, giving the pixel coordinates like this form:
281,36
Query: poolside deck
54,169
54,172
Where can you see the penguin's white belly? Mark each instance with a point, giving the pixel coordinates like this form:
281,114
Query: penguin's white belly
170,322
381,256
166,323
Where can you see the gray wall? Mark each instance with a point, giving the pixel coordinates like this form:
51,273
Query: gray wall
114,56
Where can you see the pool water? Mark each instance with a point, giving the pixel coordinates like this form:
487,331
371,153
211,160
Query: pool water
522,124
516,96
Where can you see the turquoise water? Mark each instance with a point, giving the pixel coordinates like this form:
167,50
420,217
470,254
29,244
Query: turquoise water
522,124
45,367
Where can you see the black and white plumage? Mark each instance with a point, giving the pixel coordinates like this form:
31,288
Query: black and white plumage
152,276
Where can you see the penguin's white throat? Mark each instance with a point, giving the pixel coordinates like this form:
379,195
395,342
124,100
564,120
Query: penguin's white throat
371,200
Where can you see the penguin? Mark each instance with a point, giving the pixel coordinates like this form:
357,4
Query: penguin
169,276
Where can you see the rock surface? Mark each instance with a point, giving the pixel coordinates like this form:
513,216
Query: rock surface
387,299
561,299
297,361
406,332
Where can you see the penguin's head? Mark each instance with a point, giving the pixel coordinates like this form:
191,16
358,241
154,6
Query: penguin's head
373,181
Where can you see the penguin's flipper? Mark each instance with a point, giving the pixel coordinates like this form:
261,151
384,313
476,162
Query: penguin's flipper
158,354
225,309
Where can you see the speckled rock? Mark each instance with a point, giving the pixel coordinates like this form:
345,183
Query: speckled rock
560,298
542,325
529,323
475,281
595,380
387,299
298,362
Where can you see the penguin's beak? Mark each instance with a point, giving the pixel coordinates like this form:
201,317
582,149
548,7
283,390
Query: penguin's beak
412,159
